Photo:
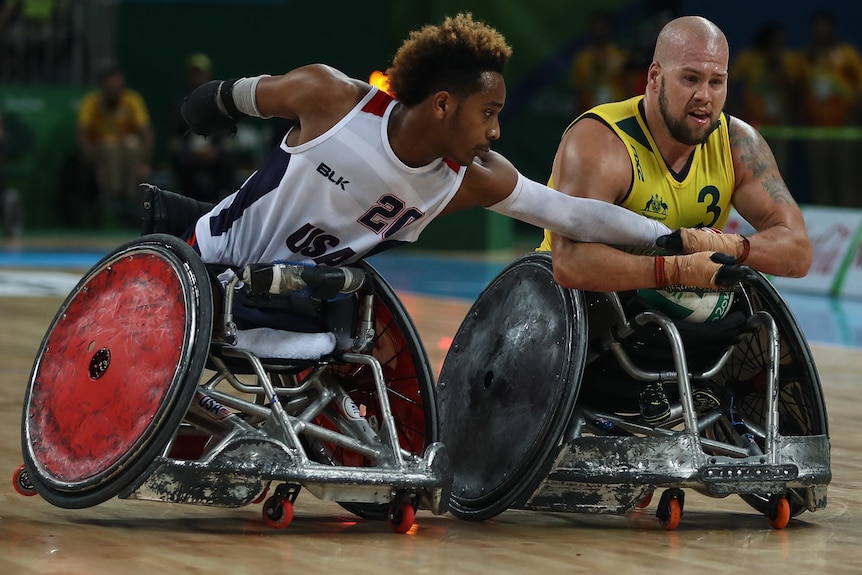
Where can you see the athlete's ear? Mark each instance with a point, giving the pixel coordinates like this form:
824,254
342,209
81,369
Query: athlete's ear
653,74
441,101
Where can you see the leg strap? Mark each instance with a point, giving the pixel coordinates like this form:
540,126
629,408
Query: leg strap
167,212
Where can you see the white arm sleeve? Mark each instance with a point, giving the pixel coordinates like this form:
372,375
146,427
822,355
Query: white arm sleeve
579,219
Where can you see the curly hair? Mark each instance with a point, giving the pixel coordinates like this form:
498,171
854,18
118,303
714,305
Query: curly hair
452,57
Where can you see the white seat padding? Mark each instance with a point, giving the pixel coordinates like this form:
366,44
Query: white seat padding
272,343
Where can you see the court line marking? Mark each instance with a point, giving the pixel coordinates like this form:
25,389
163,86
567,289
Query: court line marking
15,283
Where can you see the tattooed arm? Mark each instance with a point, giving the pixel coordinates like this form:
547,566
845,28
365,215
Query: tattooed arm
781,246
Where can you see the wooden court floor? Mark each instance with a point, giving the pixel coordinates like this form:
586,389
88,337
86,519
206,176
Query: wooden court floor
716,536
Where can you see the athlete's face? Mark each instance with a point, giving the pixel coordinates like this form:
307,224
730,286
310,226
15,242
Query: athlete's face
691,97
475,121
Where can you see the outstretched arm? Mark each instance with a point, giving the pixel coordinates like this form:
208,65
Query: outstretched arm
594,222
493,182
580,219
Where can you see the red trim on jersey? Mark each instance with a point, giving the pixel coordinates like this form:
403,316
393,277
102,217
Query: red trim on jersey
378,104
452,164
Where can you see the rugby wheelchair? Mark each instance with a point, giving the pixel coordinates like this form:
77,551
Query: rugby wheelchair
538,403
155,382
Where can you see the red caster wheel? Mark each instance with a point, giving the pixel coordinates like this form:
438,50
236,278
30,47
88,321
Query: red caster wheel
22,484
644,503
669,510
779,516
403,518
277,512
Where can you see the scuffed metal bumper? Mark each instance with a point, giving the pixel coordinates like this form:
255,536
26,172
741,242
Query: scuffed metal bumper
612,474
239,472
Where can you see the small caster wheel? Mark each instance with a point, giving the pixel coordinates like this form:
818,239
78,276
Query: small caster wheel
779,515
403,517
644,503
277,512
669,511
21,482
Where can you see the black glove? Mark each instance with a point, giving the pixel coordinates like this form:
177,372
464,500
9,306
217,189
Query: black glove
730,273
671,242
201,112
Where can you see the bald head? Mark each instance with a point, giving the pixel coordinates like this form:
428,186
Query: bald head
687,81
682,37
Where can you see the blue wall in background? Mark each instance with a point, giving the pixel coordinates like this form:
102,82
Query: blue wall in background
740,18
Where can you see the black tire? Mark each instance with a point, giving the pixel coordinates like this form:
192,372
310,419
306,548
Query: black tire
508,386
116,371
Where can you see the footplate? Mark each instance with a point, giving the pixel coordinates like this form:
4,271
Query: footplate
747,478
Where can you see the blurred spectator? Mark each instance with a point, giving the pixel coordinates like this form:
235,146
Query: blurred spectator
763,82
831,87
202,166
640,52
2,153
116,139
11,214
8,15
597,71
26,39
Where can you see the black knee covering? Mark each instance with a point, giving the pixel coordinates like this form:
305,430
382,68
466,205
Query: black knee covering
167,212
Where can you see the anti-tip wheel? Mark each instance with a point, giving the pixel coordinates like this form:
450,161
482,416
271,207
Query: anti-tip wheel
644,503
277,512
403,518
21,482
669,511
779,516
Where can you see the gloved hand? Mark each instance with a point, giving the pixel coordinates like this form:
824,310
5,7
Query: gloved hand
702,269
202,112
693,240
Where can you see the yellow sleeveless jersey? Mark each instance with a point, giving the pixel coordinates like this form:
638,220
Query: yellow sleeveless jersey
698,197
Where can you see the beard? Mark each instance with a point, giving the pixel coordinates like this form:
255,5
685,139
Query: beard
678,127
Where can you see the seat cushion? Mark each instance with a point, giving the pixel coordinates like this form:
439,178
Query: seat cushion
268,343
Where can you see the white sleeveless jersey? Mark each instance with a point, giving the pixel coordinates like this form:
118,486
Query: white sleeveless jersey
333,200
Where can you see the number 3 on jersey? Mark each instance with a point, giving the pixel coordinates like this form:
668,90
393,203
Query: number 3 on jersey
712,206
388,216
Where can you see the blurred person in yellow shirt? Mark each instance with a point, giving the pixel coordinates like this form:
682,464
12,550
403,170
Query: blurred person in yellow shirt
115,135
765,79
597,72
831,91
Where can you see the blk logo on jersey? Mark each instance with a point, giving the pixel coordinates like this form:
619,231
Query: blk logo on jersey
330,175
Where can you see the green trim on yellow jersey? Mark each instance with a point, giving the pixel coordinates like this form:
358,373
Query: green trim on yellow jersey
701,196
